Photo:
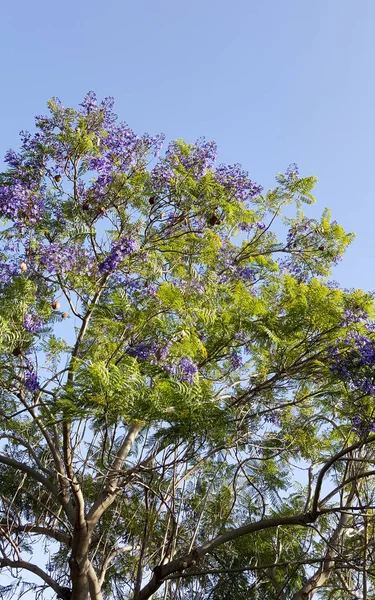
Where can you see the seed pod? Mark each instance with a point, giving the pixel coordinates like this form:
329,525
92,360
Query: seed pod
55,305
103,209
152,200
214,220
185,565
23,267
57,178
17,351
321,248
86,205
65,315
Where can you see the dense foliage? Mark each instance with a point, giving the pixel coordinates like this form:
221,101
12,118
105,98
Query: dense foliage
186,399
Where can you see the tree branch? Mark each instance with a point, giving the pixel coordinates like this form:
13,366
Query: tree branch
62,592
108,495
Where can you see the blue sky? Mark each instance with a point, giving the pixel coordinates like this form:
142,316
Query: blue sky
273,82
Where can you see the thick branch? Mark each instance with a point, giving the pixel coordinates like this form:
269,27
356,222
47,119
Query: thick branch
184,562
61,592
108,495
30,528
331,462
18,466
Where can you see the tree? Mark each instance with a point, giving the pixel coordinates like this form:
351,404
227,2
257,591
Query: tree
186,399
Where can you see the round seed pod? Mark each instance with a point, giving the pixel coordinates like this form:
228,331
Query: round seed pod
86,205
17,351
23,267
55,305
214,220
65,315
57,178
152,200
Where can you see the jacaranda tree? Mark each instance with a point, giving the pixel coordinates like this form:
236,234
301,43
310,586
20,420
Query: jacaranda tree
186,398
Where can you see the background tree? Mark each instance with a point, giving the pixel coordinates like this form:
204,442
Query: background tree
187,401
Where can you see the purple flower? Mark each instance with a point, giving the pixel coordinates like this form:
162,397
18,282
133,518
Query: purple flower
235,359
234,179
32,323
31,382
246,226
163,351
292,173
142,351
171,368
58,258
187,369
261,225
119,250
245,273
19,203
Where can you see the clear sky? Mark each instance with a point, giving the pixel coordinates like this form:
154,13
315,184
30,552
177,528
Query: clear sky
272,81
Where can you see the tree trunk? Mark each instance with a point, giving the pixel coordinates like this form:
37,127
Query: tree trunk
79,564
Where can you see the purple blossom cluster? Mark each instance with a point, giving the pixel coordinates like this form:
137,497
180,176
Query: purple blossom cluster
235,359
273,418
292,173
352,359
193,285
8,272
197,159
248,227
233,273
31,381
20,204
236,181
118,252
32,323
353,316
163,351
188,369
185,369
142,351
362,426
58,258
245,273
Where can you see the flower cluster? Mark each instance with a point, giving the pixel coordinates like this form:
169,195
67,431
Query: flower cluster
353,359
187,369
19,203
292,173
57,258
245,273
196,158
32,323
31,382
142,351
234,179
118,252
235,359
353,316
362,426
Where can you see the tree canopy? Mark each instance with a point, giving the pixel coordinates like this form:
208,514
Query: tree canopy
186,397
